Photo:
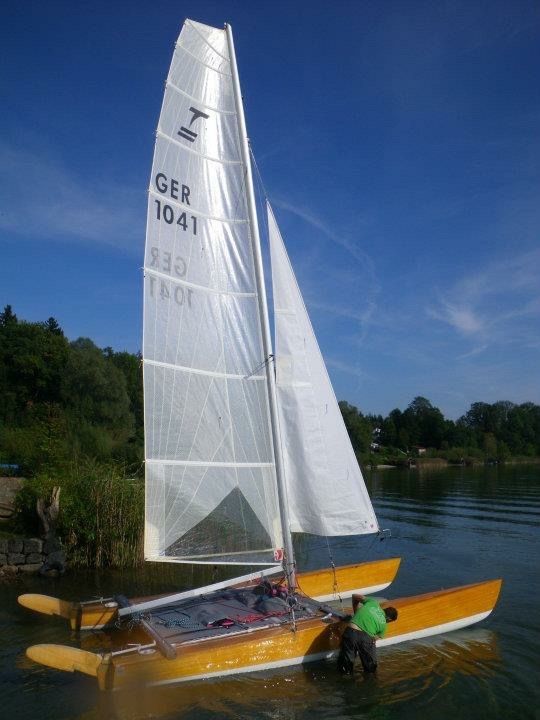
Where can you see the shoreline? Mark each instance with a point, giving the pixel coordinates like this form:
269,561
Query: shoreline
419,463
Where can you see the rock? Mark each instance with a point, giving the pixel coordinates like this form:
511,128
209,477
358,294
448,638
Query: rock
35,557
15,545
3,545
52,545
6,511
16,558
55,561
3,559
33,545
49,573
30,568
10,569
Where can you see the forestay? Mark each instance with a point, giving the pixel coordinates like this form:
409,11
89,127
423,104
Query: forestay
326,492
210,473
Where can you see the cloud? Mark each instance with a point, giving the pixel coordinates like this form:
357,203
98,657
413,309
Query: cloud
355,370
44,199
460,317
500,304
475,351
340,239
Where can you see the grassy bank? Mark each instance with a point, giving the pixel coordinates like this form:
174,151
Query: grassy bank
101,518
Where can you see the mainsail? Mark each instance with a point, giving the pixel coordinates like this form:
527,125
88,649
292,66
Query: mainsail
210,472
325,488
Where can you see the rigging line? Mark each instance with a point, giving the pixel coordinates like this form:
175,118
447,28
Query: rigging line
258,171
260,366
263,195
335,586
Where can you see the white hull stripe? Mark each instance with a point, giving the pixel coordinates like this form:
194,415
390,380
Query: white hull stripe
364,590
434,630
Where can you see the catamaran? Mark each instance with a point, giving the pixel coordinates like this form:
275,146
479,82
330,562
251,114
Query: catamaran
244,444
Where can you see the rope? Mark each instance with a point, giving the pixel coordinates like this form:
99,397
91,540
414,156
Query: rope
259,366
186,622
335,588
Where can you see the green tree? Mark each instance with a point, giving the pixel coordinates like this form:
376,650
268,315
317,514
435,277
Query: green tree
8,317
32,363
95,396
358,427
424,423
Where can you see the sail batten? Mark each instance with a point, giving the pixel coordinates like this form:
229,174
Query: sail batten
230,221
200,288
195,25
192,98
209,464
173,140
208,373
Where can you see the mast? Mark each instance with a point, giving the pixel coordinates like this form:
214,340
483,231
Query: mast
289,564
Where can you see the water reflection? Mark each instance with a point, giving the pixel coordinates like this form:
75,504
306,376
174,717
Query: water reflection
417,671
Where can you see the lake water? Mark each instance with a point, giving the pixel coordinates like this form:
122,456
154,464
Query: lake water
451,527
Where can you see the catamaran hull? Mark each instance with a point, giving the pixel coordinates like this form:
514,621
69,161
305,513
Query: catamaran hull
314,639
322,585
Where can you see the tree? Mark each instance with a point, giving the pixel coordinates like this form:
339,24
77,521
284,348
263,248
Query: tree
424,423
32,362
53,327
94,392
358,427
8,317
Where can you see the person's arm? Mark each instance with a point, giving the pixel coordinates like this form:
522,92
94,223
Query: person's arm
356,600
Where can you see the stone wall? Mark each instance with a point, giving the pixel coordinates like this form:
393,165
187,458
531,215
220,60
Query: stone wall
21,555
9,486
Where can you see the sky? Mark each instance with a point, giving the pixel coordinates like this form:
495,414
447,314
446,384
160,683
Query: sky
398,142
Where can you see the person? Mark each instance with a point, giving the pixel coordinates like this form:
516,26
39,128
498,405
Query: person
367,623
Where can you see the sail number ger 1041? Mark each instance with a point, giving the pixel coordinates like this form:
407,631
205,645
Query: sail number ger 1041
176,191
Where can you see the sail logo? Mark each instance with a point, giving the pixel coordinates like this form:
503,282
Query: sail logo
185,132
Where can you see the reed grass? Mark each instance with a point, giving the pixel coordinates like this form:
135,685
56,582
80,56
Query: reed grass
101,521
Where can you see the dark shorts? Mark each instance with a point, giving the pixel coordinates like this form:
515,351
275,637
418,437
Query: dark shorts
353,643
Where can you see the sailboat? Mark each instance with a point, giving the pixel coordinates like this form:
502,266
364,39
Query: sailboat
244,445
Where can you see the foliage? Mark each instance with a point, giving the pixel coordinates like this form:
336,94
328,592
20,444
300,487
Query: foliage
101,512
65,400
486,433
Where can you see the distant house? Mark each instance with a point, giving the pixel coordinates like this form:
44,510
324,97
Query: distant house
419,450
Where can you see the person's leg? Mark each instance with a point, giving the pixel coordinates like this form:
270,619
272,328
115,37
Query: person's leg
367,650
347,652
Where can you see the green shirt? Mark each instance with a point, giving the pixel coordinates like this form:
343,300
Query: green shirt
370,617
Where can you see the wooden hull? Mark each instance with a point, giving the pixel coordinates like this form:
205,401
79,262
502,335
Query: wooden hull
323,585
245,651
